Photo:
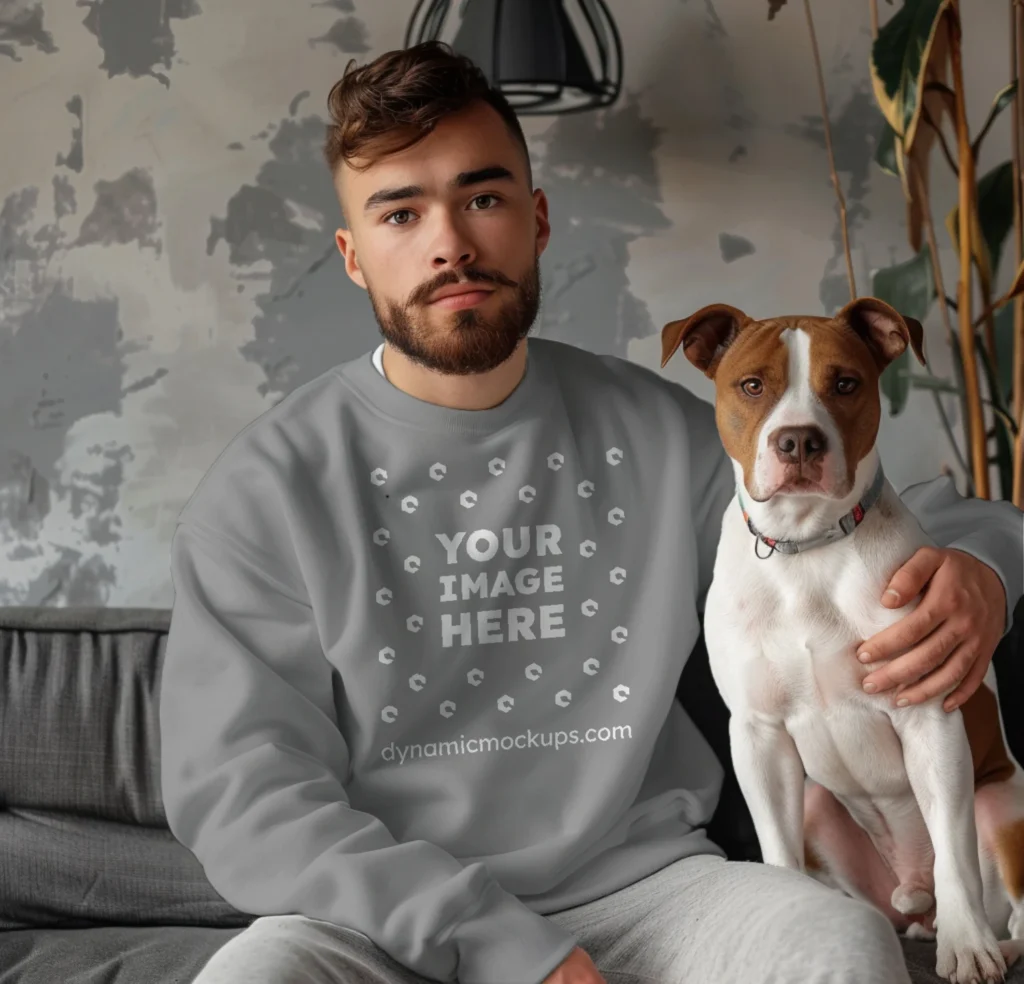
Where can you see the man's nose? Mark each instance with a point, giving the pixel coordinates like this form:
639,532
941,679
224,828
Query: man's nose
799,445
452,247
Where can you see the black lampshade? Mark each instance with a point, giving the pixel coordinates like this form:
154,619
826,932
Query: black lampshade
547,56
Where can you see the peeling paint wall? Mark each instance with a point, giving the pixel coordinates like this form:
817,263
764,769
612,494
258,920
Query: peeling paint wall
168,270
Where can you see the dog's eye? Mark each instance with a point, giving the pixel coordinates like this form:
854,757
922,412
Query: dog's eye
845,385
752,387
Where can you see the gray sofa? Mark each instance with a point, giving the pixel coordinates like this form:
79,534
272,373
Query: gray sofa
94,889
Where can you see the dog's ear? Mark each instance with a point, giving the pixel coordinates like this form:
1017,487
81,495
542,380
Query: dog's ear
704,335
886,331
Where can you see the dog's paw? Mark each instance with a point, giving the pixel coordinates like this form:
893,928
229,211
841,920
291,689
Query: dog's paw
1017,922
969,955
912,901
1012,951
918,931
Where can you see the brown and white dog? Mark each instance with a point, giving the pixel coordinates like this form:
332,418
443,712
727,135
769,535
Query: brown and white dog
916,810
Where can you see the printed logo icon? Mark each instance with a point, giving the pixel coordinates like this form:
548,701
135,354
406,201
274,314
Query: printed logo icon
591,666
417,681
378,476
562,698
505,704
448,708
475,677
409,504
556,460
384,596
589,607
619,634
437,471
621,692
389,714
468,499
617,575
495,466
533,672
381,537
616,516
412,564
585,488
414,623
527,493
588,548
613,456
386,655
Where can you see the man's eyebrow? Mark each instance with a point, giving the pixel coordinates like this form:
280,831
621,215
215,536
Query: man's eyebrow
385,196
492,173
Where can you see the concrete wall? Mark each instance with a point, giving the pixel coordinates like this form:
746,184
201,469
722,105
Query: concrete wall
167,265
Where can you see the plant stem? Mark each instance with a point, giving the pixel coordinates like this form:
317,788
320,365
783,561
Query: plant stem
940,287
976,420
831,155
1016,57
946,152
873,5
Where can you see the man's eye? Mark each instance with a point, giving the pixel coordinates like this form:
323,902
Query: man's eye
478,197
401,211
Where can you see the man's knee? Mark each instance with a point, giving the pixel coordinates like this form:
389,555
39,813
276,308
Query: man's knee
285,949
856,938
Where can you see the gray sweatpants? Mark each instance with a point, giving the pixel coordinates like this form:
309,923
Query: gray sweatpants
697,921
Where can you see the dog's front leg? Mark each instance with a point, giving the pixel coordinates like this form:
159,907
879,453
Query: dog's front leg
771,778
938,761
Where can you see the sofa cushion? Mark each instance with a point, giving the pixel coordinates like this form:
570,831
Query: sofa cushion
111,955
79,696
58,869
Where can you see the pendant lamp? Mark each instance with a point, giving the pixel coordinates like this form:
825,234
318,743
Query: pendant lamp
547,56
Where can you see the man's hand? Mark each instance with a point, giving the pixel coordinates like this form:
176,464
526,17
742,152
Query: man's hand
951,635
577,968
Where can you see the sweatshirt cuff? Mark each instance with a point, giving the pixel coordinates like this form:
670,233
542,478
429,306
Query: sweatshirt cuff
505,942
980,547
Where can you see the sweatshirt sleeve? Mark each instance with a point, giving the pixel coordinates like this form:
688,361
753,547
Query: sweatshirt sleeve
991,531
253,766
712,483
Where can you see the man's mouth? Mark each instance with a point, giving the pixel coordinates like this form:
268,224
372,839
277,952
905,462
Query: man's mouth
465,297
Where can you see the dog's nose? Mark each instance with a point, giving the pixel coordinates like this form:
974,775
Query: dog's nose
800,444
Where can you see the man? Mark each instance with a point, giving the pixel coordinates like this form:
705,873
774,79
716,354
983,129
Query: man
431,610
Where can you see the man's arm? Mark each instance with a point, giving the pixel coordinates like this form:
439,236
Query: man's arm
969,586
252,770
990,531
712,483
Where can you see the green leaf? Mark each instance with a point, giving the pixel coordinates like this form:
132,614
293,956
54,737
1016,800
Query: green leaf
995,210
910,288
900,57
885,151
995,219
1003,99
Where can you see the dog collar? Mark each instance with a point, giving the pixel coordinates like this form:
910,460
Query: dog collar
846,525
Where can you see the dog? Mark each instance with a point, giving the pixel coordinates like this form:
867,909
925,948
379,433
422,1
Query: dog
915,810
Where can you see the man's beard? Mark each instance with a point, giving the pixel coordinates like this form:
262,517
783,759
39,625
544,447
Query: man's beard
467,342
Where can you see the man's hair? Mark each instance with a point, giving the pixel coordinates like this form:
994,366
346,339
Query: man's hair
397,99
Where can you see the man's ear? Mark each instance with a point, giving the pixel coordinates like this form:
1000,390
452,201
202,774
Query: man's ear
704,335
886,331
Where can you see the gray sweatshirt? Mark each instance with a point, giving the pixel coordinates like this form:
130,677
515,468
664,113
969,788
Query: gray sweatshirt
421,667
